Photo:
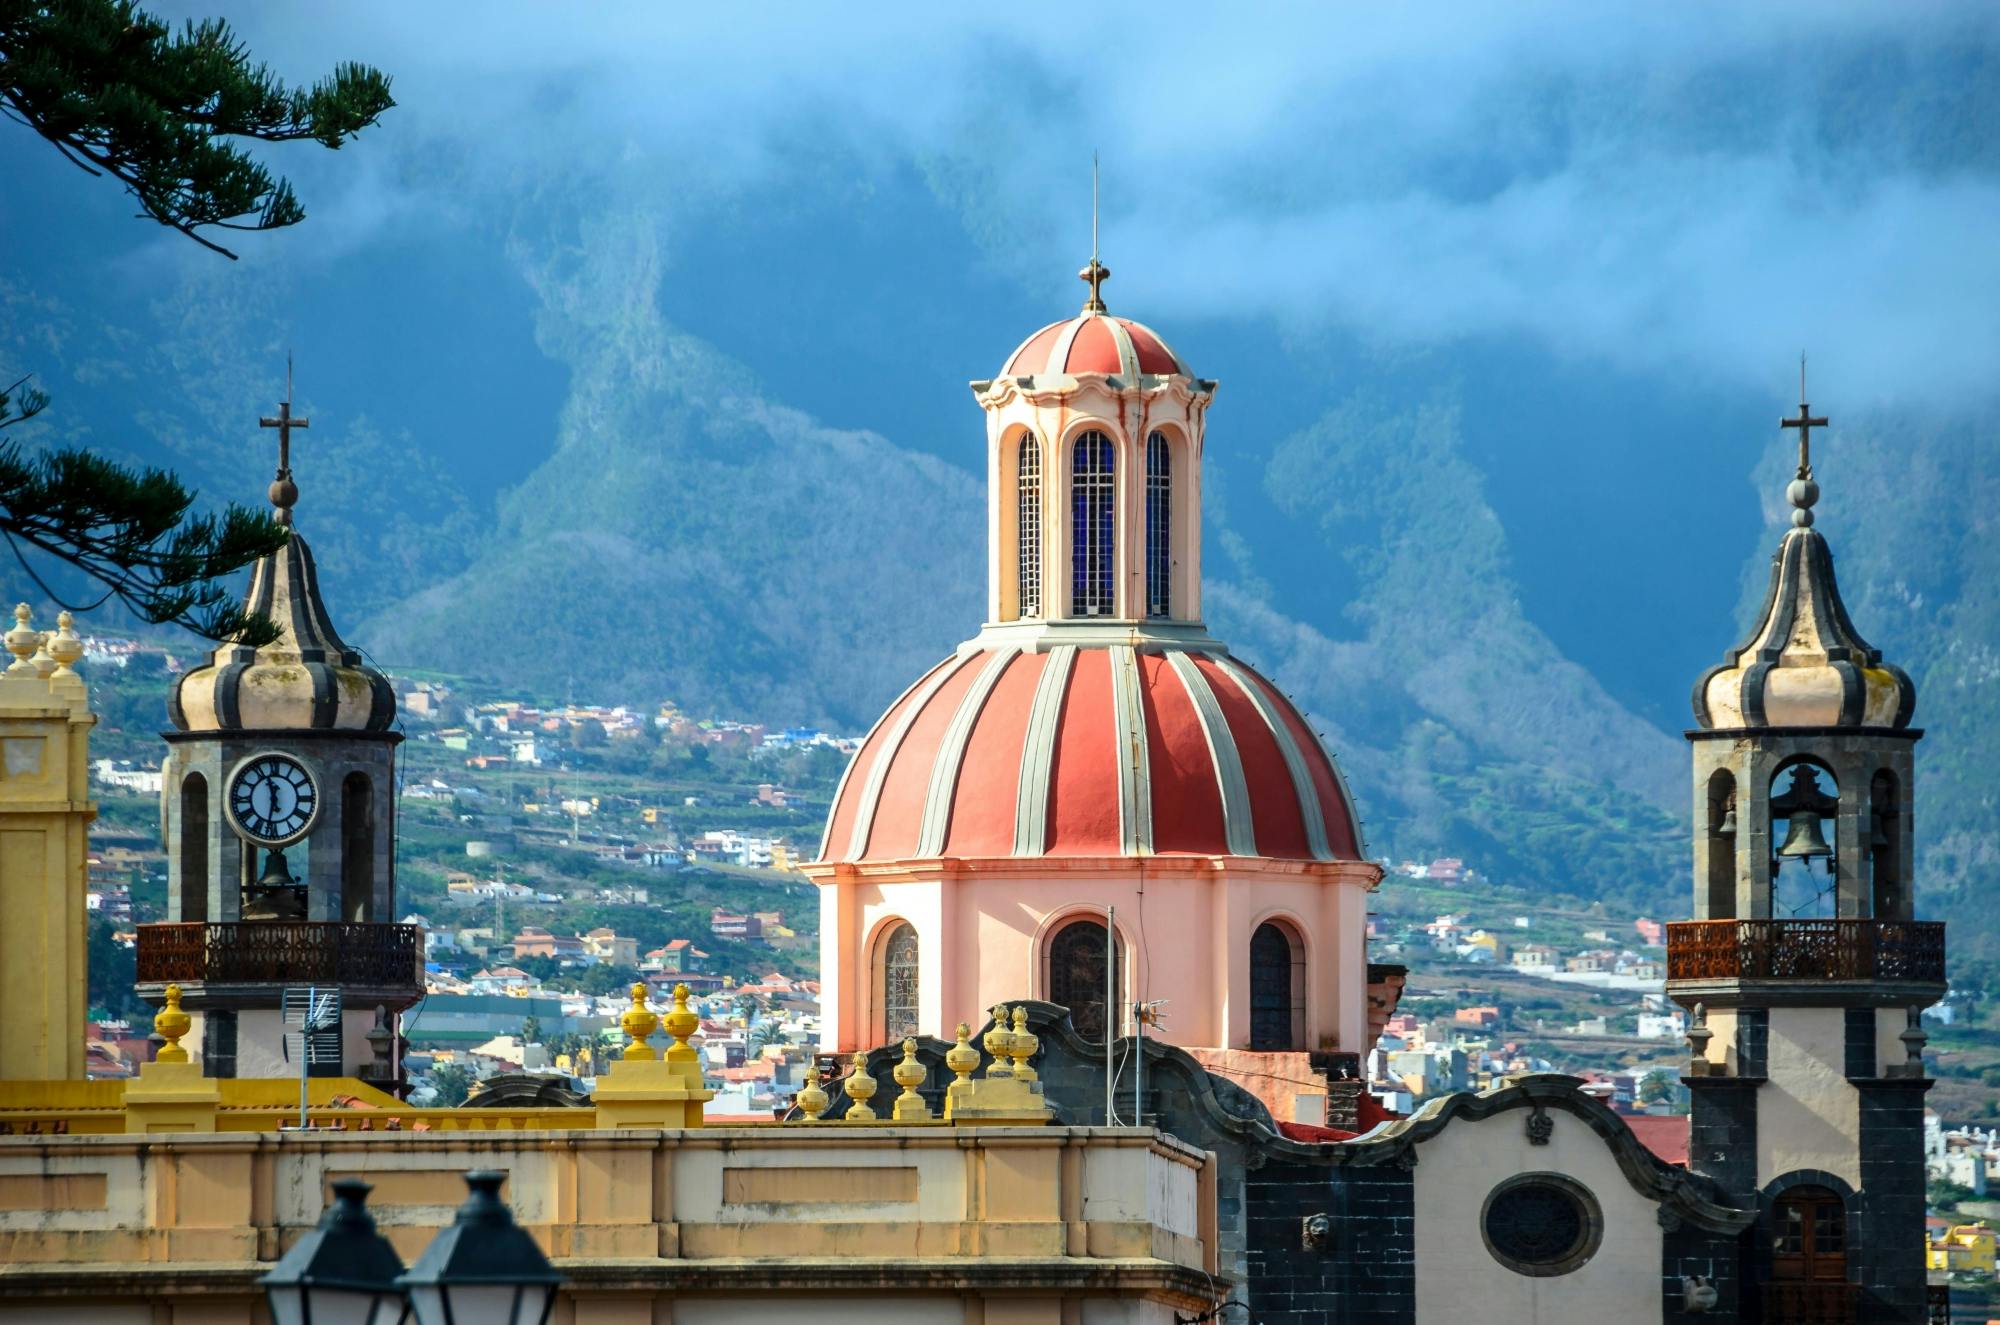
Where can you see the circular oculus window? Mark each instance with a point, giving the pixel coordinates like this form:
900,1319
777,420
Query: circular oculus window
1541,1224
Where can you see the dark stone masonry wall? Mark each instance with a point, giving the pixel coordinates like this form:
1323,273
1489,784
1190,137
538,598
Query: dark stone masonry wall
1362,1273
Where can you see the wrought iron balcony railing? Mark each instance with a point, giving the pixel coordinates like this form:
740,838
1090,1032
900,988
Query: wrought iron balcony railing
283,952
1911,950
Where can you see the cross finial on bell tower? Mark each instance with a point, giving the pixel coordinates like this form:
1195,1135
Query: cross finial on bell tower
1096,274
1805,423
284,492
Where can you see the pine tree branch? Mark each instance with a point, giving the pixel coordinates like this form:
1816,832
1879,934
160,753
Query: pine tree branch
112,86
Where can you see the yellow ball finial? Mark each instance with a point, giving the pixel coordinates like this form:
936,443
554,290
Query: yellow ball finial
860,1089
910,1074
638,1023
811,1099
996,1042
962,1058
1021,1045
172,1023
682,1022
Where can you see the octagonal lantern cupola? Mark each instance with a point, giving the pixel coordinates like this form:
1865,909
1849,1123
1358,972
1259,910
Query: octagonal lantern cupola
1094,441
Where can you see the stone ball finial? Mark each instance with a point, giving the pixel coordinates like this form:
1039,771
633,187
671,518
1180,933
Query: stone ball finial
64,646
811,1099
45,663
860,1089
997,1041
962,1058
1021,1045
22,641
910,1074
1803,493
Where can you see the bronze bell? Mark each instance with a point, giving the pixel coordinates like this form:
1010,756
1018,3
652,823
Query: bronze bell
277,874
1728,825
1803,839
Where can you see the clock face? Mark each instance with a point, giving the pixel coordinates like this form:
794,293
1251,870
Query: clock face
272,799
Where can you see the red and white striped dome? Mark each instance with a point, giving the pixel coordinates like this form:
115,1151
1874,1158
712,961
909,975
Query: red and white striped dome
1095,343
1091,751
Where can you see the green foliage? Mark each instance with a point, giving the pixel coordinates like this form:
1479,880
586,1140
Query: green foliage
112,972
120,93
452,1083
131,531
531,1030
1943,1196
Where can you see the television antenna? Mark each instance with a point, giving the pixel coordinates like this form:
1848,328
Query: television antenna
316,1013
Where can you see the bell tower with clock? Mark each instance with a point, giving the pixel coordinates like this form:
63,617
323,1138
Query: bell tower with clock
278,811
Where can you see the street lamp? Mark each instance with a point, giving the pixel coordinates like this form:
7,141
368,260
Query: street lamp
341,1273
482,1270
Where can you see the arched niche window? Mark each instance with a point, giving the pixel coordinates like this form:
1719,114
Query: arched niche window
357,848
1721,828
1809,1236
1884,857
1159,525
1028,525
1805,798
897,979
193,820
1277,990
1093,510
1081,963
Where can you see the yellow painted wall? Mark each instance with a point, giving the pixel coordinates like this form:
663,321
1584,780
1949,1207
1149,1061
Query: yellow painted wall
45,810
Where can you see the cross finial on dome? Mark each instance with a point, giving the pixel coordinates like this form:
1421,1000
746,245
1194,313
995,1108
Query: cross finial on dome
1096,274
284,492
1802,491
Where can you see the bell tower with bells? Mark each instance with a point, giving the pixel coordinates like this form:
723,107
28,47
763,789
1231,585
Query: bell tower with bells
278,812
1805,969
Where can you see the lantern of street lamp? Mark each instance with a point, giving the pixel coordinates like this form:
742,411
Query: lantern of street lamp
341,1273
482,1270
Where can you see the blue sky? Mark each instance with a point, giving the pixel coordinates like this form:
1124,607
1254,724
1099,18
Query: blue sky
1610,230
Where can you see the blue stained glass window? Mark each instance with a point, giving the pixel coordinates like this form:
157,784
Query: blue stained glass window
1159,524
1093,508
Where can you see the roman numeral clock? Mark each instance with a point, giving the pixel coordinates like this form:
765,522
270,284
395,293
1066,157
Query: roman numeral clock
273,800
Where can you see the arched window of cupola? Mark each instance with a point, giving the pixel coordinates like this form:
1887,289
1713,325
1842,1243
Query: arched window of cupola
1277,990
1159,525
357,849
193,823
1093,512
1028,525
1081,963
897,981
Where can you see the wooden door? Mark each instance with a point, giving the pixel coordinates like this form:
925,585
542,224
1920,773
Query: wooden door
1809,1237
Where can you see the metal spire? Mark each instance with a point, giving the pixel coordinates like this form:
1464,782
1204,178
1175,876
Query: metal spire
1096,274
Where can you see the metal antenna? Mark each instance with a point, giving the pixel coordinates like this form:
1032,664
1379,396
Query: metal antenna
1093,257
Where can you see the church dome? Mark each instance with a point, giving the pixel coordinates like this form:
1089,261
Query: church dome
306,679
1091,750
1094,342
